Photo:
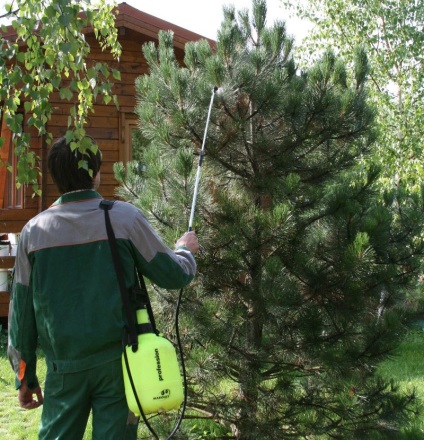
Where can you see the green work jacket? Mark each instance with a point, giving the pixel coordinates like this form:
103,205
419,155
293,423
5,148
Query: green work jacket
65,293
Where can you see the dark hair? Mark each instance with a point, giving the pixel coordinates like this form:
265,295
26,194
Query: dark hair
64,167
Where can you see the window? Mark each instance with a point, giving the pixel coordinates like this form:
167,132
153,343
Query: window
128,127
132,141
10,196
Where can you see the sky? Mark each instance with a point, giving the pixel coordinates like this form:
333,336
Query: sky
204,17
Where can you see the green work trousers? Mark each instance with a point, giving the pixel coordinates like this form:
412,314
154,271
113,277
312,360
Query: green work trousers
69,398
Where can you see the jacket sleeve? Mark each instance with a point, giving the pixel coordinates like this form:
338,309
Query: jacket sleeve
169,269
23,337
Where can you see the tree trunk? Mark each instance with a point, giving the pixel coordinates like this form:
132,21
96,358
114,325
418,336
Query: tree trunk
250,377
249,380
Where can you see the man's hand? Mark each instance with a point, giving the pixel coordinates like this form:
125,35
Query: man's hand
26,399
189,240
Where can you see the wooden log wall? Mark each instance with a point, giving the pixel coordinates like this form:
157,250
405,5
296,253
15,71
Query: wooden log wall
104,125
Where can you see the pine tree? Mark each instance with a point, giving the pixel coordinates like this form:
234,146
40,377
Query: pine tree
303,267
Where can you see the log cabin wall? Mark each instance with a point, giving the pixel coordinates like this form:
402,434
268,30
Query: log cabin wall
106,123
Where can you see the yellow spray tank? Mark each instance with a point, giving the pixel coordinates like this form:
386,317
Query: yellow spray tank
153,370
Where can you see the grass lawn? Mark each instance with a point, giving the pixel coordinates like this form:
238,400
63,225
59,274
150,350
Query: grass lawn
16,423
406,368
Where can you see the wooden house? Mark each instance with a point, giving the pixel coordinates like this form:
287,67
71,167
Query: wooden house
109,125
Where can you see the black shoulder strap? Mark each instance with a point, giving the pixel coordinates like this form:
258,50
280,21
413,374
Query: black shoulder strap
145,301
106,205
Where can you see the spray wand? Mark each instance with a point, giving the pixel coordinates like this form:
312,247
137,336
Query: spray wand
199,167
190,228
145,318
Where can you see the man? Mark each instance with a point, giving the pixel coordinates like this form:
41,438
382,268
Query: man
65,294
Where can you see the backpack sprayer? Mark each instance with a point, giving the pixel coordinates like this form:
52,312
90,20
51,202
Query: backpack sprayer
151,369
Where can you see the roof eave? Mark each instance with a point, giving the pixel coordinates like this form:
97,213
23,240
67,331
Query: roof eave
146,24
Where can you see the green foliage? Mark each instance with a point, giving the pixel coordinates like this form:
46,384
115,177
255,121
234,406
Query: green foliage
50,54
391,34
304,268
